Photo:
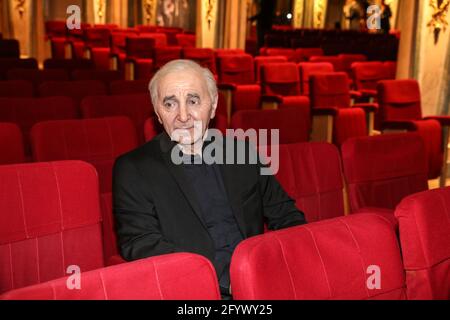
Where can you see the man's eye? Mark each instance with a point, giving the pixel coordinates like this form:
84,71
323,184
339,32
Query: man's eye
169,104
193,101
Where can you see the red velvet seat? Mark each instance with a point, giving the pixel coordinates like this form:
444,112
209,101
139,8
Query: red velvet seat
331,259
293,123
16,88
162,55
337,63
311,174
330,97
381,170
185,40
110,244
139,61
7,64
69,64
400,109
11,144
25,112
424,220
128,87
77,90
286,52
303,54
280,83
9,48
137,107
97,141
50,220
203,56
155,278
261,60
366,76
105,76
348,59
307,69
37,76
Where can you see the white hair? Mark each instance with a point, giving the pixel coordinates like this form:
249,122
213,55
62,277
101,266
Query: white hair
178,66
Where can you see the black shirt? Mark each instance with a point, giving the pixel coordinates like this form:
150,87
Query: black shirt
208,186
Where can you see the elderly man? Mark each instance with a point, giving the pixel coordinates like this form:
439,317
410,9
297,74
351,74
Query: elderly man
163,206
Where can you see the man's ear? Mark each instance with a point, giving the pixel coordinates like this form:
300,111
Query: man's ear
214,107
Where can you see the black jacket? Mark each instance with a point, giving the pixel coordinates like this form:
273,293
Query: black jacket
156,211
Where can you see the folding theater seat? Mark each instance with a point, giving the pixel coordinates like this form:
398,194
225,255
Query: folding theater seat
261,60
334,118
424,221
68,64
49,221
381,170
77,90
25,112
222,52
8,64
59,49
37,76
303,54
400,109
280,83
354,257
110,245
159,37
348,59
307,69
11,144
185,40
97,141
139,58
105,76
9,48
155,278
203,56
366,76
128,87
96,47
162,55
285,52
16,88
391,69
137,107
337,62
293,123
237,82
311,174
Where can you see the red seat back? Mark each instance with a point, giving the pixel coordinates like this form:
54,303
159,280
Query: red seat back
16,88
129,87
236,69
159,38
139,48
26,112
292,123
307,69
203,56
38,76
97,37
155,278
261,60
185,40
367,74
50,220
105,76
424,222
334,60
280,79
381,170
137,107
288,53
77,90
7,64
166,54
11,144
348,59
9,48
303,54
311,174
329,90
399,100
69,64
331,259
97,141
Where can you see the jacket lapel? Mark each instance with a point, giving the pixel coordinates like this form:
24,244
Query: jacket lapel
177,172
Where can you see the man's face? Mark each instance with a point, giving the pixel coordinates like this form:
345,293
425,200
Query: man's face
184,106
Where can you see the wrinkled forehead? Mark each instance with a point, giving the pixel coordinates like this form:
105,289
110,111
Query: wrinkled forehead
182,83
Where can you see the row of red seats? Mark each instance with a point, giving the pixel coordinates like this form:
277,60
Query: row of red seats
316,261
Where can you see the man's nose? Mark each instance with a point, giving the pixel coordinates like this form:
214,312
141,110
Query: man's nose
183,114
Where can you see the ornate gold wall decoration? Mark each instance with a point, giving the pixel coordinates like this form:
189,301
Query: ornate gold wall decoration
298,13
210,12
439,17
100,8
148,8
319,13
20,7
